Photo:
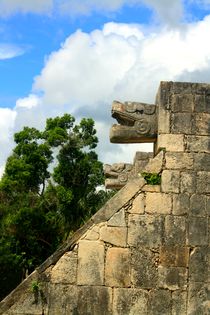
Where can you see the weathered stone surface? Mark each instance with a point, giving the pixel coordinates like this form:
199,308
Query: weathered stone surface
182,103
75,300
170,181
144,272
202,124
198,231
181,204
158,203
175,230
65,270
151,188
130,302
188,182
155,164
202,103
182,123
202,162
163,121
145,230
118,219
92,234
172,278
171,142
198,205
179,160
138,205
177,256
118,200
198,143
117,175
203,182
199,298
30,303
137,122
208,205
63,299
160,302
90,263
114,235
179,302
199,265
117,271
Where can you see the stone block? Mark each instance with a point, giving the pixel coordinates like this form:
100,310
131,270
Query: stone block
202,103
151,188
202,162
138,204
203,182
198,205
208,205
130,301
181,204
182,103
90,263
179,302
72,300
188,182
174,256
182,123
160,302
117,270
158,203
114,235
28,303
171,142
65,270
163,121
118,200
198,144
170,181
92,234
202,121
155,164
198,231
179,160
175,230
144,272
172,278
145,230
118,219
198,298
199,264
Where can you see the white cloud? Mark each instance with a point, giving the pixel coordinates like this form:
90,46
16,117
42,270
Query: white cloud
119,62
8,51
7,123
8,7
28,102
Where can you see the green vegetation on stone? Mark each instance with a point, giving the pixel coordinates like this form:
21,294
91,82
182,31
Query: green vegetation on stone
152,178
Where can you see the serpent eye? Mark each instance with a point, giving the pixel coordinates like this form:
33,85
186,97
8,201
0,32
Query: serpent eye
130,107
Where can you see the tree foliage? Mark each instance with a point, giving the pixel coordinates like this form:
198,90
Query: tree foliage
39,207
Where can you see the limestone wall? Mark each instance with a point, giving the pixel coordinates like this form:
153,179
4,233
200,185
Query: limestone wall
146,252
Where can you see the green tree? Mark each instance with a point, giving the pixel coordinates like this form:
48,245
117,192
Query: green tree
39,208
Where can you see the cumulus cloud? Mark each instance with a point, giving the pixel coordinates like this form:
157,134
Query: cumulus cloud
120,62
8,51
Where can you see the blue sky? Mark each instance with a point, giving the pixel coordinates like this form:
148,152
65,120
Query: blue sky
76,56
